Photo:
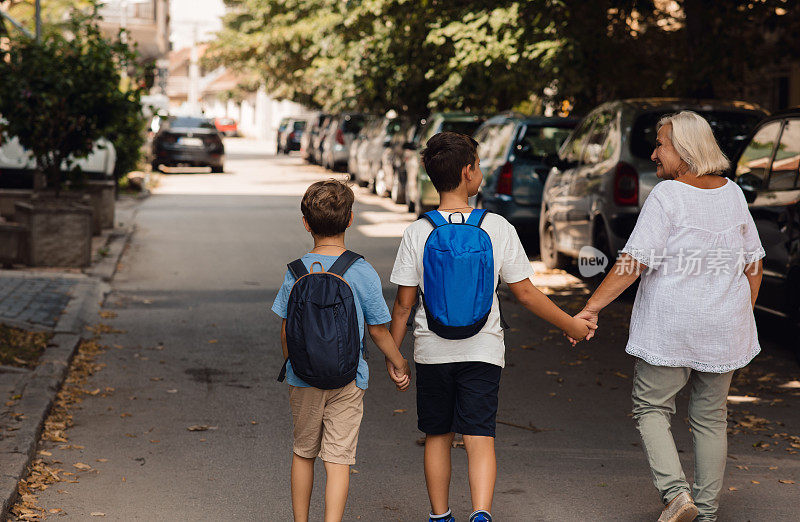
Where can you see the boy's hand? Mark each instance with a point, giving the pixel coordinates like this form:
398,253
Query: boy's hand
580,329
400,375
589,315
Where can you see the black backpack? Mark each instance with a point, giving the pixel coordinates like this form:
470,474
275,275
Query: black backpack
322,334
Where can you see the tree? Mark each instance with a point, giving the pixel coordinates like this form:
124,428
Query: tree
62,94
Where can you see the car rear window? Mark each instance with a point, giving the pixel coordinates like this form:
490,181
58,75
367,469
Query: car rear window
299,125
192,123
461,127
541,142
730,129
353,123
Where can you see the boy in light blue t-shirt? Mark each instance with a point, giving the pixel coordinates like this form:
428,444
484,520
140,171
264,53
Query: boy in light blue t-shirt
326,422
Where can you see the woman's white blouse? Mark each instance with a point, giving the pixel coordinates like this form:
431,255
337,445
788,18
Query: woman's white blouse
693,308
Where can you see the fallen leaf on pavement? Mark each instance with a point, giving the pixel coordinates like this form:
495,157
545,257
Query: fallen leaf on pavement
102,460
123,415
773,468
156,379
201,427
81,466
353,471
45,453
213,341
108,315
154,441
173,390
786,481
733,489
621,375
549,372
97,514
395,412
755,482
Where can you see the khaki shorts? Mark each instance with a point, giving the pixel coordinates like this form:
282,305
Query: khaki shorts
326,422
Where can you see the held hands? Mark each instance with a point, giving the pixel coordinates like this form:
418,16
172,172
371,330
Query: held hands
400,375
584,319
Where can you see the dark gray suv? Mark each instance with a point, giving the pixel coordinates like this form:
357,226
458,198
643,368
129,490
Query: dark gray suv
603,172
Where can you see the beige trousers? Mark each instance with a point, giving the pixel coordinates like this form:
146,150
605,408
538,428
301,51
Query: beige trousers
654,391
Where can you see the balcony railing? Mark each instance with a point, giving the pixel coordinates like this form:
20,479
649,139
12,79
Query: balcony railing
144,12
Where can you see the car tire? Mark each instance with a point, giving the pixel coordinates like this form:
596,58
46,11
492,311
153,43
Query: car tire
217,169
551,257
398,192
155,166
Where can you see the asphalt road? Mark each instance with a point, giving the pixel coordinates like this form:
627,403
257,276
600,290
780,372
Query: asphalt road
201,348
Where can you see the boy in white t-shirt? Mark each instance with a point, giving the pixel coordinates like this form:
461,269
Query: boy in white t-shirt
458,379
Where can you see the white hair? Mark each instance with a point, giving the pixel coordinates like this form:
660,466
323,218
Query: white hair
694,140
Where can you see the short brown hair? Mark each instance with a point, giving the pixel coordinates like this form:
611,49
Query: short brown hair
326,206
445,156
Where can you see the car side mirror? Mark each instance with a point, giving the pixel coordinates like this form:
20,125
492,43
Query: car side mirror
749,191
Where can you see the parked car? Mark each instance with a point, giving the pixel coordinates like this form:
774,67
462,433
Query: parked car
397,155
360,141
290,139
422,196
319,139
191,141
17,166
309,138
370,157
768,171
604,173
226,126
514,150
282,126
339,135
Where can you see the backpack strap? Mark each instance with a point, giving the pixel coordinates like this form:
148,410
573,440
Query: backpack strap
282,375
434,217
298,269
476,216
343,262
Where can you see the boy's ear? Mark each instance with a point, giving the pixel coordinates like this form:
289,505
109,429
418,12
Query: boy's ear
351,219
467,172
305,224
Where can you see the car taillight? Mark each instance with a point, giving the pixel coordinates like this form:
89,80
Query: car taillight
340,137
291,136
505,180
170,138
626,185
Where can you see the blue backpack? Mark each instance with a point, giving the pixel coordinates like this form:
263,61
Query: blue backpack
322,333
458,275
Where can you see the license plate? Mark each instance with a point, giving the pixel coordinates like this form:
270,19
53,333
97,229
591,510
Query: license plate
190,142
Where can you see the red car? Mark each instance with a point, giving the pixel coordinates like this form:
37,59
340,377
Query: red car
227,126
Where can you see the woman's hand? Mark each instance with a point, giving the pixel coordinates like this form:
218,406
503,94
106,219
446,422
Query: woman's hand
580,329
589,315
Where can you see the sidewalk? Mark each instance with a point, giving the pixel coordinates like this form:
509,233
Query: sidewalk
61,302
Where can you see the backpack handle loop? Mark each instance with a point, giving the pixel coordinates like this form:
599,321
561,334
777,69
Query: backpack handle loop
450,217
321,268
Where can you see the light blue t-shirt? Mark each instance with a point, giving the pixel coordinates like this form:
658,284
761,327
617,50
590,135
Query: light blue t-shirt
370,305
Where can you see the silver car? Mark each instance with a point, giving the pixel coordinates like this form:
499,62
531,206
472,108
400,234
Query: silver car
339,136
603,174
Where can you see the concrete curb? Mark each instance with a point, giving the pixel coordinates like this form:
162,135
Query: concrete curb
37,389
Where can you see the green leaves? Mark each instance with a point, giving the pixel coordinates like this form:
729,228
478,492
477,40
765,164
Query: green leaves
61,95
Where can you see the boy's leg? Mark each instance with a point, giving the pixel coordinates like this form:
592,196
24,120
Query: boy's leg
436,396
307,407
337,485
482,470
302,480
341,420
437,471
476,412
654,391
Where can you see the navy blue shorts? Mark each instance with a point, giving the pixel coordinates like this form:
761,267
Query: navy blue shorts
458,397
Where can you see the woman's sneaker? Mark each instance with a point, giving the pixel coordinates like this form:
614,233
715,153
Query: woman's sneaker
679,509
444,517
480,516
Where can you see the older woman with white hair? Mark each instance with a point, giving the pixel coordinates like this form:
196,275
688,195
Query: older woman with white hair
697,250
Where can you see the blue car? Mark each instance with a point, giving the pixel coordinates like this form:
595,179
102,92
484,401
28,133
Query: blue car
514,150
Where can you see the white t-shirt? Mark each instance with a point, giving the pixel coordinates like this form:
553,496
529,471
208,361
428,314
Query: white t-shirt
510,263
693,307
